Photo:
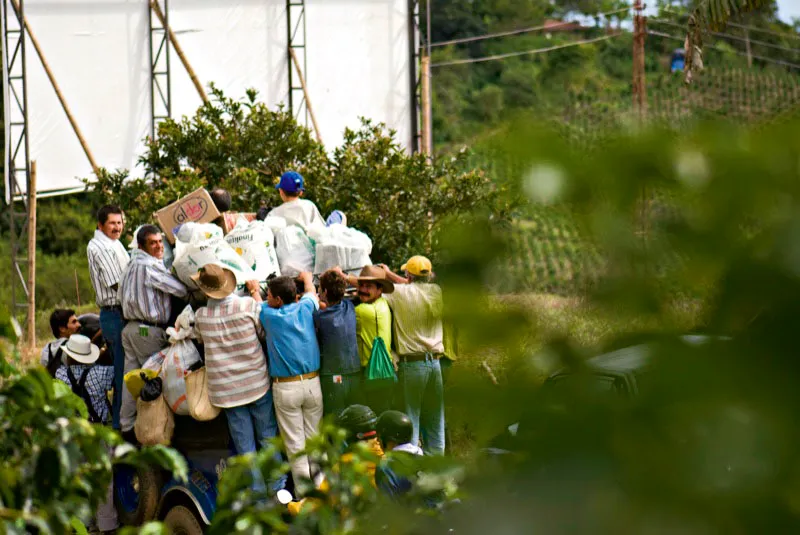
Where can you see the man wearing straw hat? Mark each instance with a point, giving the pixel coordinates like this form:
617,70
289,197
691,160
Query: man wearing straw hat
236,367
91,382
373,320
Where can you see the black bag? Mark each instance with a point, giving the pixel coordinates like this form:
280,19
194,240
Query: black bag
79,389
152,388
54,361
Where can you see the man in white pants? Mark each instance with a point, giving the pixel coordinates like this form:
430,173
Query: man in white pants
293,357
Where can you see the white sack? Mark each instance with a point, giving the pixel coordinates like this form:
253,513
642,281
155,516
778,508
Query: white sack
254,242
341,246
295,251
178,358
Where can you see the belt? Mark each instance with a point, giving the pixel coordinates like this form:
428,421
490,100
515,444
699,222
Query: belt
295,378
162,326
112,307
417,357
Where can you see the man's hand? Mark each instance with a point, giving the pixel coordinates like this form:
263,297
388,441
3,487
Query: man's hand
254,287
307,278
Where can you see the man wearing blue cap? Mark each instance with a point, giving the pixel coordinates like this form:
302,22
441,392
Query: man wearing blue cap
295,210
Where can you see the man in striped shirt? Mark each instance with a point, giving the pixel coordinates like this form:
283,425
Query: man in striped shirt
107,261
419,335
145,293
236,366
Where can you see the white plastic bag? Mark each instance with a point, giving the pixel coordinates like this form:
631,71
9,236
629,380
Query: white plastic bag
179,357
190,257
195,232
275,223
342,246
254,242
295,251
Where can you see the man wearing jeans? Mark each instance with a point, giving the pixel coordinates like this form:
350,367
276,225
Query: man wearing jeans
293,356
236,367
419,336
107,261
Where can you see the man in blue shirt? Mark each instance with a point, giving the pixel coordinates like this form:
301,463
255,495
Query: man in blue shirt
340,371
293,358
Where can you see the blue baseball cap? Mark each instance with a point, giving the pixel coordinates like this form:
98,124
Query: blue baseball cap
291,182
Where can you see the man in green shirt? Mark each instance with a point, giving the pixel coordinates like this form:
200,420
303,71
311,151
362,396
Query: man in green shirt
373,320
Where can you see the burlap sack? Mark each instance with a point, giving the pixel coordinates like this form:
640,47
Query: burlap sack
155,422
200,406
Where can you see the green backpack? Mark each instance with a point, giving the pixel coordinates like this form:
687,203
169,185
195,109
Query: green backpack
380,366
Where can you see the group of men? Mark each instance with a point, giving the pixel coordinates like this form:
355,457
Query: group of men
276,360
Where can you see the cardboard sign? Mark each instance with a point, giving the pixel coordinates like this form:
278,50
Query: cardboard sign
197,207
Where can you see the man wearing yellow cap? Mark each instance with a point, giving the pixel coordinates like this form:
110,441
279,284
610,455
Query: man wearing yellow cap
419,337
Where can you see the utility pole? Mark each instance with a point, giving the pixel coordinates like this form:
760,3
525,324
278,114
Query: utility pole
639,87
640,103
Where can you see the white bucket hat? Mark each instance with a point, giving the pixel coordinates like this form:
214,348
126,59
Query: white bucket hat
81,348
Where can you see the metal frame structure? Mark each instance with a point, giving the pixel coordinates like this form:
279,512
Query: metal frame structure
296,40
161,92
18,164
414,38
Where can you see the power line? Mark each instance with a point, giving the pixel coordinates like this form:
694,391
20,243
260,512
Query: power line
743,26
730,36
517,31
761,58
523,53
771,32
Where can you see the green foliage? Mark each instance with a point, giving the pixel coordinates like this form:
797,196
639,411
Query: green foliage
55,466
396,198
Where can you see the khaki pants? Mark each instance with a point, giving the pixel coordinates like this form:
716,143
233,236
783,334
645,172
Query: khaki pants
298,407
138,346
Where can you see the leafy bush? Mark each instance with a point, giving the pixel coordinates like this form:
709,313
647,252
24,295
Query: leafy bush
244,147
55,466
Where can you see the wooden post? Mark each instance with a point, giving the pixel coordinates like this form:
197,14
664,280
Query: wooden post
425,98
640,102
77,288
32,258
60,96
178,50
305,93
747,48
639,87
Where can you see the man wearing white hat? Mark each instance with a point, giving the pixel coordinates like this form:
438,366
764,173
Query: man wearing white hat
91,382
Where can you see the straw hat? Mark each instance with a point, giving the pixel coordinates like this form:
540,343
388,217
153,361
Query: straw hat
81,349
215,281
378,275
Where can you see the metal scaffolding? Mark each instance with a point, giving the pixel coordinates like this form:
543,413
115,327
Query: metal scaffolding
414,49
18,164
296,44
160,93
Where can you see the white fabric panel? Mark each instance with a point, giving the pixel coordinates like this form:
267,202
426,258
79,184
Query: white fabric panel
98,53
358,65
235,44
98,50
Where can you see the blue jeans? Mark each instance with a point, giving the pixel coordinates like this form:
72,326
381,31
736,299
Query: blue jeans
336,397
111,323
423,393
250,426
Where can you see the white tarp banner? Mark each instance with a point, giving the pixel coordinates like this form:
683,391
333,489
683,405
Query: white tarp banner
357,59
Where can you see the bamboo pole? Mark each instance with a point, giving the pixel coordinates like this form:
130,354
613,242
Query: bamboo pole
178,50
425,81
305,93
77,288
32,258
56,88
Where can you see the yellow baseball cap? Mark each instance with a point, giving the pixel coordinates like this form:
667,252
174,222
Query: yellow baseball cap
418,265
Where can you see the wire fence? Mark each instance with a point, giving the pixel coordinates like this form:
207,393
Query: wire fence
550,254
